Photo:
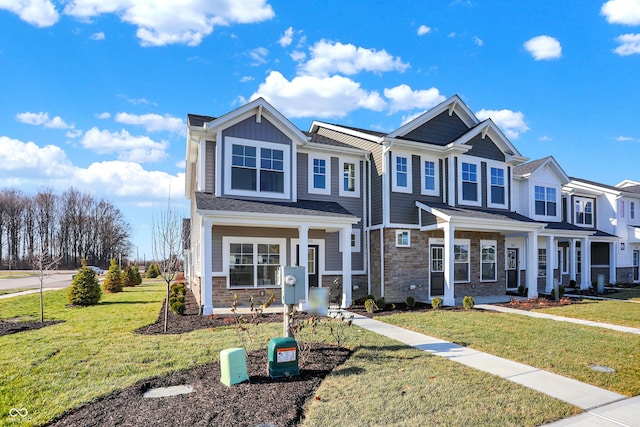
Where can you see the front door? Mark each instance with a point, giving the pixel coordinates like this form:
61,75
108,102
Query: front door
312,266
636,265
437,270
512,268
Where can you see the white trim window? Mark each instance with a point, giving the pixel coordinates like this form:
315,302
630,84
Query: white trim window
542,262
498,188
319,174
429,176
632,210
350,179
546,203
355,240
401,179
488,260
253,262
461,261
403,238
583,212
469,184
257,168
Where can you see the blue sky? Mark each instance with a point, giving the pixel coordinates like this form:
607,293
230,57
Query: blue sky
95,94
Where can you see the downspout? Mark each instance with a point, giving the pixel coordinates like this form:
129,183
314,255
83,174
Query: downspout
385,209
367,206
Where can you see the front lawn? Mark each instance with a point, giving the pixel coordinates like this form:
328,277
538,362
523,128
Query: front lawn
559,347
615,312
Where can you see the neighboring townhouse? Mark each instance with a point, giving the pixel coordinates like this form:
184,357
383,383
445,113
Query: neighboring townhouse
628,229
265,194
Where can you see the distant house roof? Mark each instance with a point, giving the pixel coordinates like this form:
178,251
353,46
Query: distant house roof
598,184
321,139
367,131
198,120
529,167
209,202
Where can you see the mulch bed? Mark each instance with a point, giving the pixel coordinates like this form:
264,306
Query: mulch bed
12,327
535,303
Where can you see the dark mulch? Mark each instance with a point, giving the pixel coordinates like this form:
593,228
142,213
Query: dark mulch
262,401
534,303
13,327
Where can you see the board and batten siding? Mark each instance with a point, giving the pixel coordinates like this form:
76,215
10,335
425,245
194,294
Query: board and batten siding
441,130
484,148
210,167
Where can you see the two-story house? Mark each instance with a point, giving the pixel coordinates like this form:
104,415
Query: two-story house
628,221
265,194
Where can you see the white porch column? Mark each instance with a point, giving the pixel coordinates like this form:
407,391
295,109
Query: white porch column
551,263
585,254
572,259
346,267
206,267
303,255
449,293
532,264
613,262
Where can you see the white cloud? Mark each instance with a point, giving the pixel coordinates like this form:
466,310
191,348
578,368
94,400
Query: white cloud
128,147
298,55
26,160
259,56
329,57
423,29
153,122
477,40
624,138
334,96
626,12
98,36
246,79
545,138
41,13
185,22
42,119
543,47
286,38
511,122
629,44
104,115
404,98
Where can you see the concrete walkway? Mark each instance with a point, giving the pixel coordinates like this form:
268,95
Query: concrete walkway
539,315
597,402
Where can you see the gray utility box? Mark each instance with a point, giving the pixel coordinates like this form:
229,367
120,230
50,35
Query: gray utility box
293,281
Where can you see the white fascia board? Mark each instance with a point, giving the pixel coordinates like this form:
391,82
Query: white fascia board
566,233
591,189
362,135
418,147
433,211
627,183
496,225
281,220
312,147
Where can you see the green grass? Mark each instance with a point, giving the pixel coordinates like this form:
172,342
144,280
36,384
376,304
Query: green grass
562,348
628,293
13,291
615,312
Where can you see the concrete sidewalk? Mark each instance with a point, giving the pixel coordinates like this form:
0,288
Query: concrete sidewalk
539,315
596,401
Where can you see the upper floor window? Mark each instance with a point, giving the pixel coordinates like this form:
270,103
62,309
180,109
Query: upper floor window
429,177
319,174
621,208
545,200
584,211
498,187
257,168
350,185
402,173
470,182
632,210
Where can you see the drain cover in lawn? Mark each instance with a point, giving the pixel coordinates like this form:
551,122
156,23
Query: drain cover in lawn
168,391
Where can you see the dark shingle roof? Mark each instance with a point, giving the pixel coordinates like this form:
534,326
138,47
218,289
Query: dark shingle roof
586,181
320,139
197,120
529,167
367,131
630,189
209,202
478,212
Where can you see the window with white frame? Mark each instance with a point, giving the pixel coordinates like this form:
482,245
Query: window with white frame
403,238
583,211
632,210
355,241
350,183
497,187
545,201
470,183
621,209
461,261
578,259
542,262
319,174
488,259
401,180
429,176
257,168
253,262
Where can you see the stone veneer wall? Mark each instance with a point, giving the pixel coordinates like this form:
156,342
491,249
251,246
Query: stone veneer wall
624,274
375,263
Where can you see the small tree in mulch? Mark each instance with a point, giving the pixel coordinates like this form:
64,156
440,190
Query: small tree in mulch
85,288
113,281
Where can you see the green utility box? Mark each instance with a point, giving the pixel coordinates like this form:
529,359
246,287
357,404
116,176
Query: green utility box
233,366
283,357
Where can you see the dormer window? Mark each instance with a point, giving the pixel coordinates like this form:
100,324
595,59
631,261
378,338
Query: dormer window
584,212
545,201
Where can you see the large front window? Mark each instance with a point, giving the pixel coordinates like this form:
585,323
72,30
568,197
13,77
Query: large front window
488,256
542,262
545,200
460,262
244,168
497,186
584,212
469,182
253,264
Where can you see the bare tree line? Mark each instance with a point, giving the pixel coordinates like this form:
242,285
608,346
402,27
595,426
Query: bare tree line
70,226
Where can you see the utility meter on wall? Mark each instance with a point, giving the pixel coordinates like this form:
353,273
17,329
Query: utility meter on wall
292,280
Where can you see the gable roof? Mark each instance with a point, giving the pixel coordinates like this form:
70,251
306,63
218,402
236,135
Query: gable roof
488,127
525,170
198,120
590,184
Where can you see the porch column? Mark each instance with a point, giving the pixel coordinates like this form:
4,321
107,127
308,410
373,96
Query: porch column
573,265
303,255
346,267
449,294
206,267
551,263
613,262
532,264
585,253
